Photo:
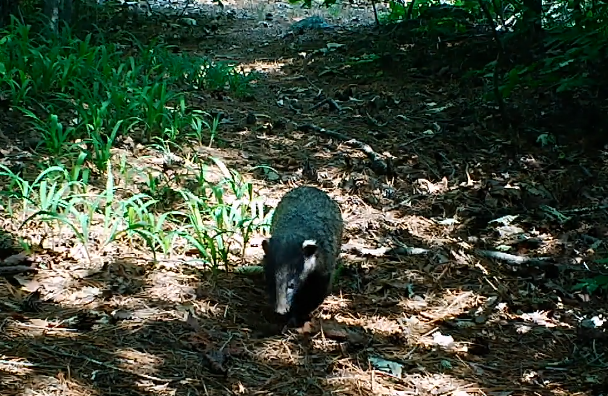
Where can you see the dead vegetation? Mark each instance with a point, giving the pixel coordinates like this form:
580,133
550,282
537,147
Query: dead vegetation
425,304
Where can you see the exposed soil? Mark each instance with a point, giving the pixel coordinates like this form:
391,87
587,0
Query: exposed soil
453,321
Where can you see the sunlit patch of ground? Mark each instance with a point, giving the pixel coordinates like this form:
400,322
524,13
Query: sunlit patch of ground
450,322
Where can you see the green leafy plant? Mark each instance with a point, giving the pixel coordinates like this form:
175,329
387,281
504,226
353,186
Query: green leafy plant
591,285
594,284
147,91
201,128
80,196
55,137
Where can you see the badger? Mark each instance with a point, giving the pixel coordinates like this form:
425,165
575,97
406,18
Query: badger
300,256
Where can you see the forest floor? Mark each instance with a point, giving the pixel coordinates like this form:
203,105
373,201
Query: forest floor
452,321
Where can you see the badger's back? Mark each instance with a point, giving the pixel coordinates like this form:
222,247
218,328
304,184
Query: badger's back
309,213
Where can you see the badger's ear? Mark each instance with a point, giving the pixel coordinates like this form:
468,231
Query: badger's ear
265,245
309,248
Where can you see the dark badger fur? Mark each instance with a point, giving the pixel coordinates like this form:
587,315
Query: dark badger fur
300,257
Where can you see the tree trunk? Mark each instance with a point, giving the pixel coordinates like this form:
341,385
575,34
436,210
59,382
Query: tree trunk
58,11
533,13
532,43
7,8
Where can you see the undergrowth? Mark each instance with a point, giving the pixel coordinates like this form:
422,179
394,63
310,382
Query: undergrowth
563,63
79,98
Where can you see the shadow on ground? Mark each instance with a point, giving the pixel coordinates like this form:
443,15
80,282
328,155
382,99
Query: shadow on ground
135,328
149,330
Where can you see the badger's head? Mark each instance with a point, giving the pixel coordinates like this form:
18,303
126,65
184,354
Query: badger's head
286,268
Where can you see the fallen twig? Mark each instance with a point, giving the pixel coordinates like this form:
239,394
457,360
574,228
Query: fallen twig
516,260
511,259
333,105
384,251
379,165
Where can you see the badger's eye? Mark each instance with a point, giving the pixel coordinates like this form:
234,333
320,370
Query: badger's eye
291,284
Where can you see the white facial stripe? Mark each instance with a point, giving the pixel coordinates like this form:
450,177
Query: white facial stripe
309,242
283,295
309,266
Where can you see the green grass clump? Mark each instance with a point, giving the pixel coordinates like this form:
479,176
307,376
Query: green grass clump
80,97
71,89
211,220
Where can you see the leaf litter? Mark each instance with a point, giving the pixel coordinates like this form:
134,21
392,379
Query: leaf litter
457,268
